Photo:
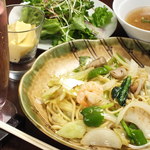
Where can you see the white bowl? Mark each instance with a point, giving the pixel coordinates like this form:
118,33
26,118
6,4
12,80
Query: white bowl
122,8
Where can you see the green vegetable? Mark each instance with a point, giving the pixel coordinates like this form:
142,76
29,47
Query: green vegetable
32,2
115,92
50,25
49,92
144,20
138,137
135,135
93,116
72,130
121,93
83,61
98,71
109,105
78,22
120,57
34,16
101,17
116,60
71,19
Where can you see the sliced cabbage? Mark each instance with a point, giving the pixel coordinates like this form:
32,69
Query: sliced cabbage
49,92
72,130
70,83
116,56
102,137
81,75
54,80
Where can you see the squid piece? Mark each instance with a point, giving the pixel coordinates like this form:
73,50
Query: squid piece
103,137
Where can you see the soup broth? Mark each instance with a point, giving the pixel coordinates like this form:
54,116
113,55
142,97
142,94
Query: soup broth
139,17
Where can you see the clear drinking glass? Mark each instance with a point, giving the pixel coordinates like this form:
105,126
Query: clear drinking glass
7,109
24,28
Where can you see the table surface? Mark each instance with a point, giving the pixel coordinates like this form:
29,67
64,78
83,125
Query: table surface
14,143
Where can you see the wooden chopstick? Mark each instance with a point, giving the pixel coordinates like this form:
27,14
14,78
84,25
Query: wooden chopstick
30,139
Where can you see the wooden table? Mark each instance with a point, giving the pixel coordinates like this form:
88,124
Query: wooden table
14,143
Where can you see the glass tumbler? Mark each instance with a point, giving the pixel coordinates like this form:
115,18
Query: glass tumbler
7,109
24,28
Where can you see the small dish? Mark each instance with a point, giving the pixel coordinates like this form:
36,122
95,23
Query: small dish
122,8
63,58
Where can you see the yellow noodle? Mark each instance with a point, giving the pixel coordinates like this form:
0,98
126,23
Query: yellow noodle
73,110
77,113
114,111
107,124
49,108
64,116
56,127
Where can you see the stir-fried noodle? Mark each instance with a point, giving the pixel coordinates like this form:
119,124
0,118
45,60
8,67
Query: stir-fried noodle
102,103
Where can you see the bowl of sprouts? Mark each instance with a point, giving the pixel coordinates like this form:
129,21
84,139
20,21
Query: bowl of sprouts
91,94
74,19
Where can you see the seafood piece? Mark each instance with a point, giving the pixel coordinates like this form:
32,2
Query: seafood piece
137,86
119,73
102,137
97,62
89,94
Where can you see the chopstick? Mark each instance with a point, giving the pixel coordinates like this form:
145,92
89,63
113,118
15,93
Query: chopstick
30,139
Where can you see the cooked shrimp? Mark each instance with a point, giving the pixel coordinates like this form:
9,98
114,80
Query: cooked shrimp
89,94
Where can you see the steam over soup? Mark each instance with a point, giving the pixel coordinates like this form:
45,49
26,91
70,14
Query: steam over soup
139,17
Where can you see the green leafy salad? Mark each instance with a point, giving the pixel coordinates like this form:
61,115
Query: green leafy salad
66,20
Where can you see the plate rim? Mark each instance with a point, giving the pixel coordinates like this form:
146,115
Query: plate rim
39,126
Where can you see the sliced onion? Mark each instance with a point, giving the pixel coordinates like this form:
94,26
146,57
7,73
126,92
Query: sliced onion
140,118
109,85
139,147
102,137
110,117
139,104
141,82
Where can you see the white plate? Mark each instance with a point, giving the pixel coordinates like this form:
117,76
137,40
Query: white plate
105,32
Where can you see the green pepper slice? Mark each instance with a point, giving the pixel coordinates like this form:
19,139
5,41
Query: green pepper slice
135,135
93,116
98,71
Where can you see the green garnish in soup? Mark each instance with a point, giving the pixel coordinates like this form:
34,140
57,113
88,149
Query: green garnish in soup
139,17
